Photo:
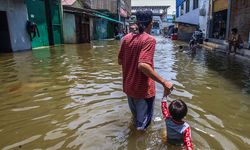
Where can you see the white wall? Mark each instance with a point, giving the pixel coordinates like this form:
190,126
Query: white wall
191,17
17,18
203,20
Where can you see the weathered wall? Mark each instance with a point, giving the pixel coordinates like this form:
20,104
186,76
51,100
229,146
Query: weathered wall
100,29
17,17
185,32
110,5
69,28
91,28
240,17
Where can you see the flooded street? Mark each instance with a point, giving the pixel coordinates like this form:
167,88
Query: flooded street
70,97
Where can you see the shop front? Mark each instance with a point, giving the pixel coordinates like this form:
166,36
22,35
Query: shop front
219,20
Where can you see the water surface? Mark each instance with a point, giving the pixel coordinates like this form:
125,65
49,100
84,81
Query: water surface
70,97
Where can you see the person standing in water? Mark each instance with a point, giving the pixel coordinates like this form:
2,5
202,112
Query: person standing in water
234,41
137,59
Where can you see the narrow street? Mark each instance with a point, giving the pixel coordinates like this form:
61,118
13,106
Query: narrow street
70,97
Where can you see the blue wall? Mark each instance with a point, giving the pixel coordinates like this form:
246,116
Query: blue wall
178,3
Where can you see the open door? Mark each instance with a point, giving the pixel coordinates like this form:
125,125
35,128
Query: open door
5,44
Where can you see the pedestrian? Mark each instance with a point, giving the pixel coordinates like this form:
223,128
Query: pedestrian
234,40
136,57
178,131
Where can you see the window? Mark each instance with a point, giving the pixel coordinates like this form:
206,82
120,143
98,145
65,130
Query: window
182,9
187,6
195,4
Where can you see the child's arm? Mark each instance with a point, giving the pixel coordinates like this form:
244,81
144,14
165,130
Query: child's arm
187,139
164,109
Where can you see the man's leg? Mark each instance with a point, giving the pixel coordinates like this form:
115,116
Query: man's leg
144,112
236,45
230,47
150,112
132,106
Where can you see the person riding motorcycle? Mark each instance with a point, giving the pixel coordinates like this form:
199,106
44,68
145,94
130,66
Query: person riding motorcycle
197,38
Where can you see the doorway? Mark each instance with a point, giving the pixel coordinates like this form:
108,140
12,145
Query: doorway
219,22
5,44
82,29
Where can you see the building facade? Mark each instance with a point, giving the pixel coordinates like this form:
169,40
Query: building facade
170,3
46,19
159,14
240,19
194,12
111,18
13,35
76,21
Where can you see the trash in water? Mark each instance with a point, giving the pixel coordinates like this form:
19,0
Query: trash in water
157,119
101,46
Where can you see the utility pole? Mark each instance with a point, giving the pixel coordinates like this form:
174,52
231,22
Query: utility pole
118,10
228,18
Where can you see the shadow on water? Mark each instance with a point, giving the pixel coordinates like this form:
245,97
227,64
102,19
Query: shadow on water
234,69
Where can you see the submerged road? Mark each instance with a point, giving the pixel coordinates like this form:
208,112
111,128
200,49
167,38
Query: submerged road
70,97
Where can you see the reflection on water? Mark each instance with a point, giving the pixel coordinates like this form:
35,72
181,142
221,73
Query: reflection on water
70,97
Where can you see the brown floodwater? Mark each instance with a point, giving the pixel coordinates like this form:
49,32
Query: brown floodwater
70,97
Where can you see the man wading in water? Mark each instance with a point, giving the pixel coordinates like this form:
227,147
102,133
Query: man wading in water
136,57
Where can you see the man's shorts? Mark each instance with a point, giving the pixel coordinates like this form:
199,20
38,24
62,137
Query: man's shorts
142,110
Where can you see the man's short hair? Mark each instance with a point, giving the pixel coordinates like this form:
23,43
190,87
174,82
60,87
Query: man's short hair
144,18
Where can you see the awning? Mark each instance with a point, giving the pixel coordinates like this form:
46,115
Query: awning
110,19
90,12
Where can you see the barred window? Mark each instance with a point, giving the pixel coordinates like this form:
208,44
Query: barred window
187,6
182,9
195,4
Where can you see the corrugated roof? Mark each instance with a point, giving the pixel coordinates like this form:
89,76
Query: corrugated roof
68,2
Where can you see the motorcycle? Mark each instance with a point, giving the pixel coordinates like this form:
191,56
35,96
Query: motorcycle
196,40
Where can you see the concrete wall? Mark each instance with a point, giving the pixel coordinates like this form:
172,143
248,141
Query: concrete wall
17,17
240,17
69,28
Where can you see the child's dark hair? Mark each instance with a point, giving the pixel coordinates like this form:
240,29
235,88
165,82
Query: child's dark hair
234,30
178,109
144,18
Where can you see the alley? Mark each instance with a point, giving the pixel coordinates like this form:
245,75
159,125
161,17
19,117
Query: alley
70,97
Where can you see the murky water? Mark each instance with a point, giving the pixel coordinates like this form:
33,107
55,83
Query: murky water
70,97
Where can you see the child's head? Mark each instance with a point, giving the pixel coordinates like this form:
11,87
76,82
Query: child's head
178,109
234,31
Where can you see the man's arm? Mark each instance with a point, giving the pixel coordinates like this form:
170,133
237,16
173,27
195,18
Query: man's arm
149,72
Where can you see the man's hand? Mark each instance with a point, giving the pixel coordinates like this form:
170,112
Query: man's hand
149,71
168,88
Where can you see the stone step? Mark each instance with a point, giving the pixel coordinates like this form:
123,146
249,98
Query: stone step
224,48
216,45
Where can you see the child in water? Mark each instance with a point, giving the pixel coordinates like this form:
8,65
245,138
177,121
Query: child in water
178,131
